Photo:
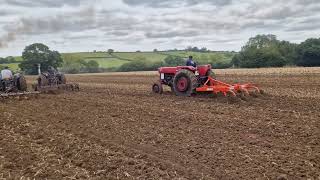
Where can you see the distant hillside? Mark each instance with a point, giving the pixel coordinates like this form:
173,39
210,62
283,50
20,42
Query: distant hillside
116,59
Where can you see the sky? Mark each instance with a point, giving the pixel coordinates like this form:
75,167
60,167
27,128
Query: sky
131,25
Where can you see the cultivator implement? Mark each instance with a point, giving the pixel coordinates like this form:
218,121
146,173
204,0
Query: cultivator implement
216,87
18,95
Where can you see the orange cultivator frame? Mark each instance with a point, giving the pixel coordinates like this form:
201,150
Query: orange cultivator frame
215,86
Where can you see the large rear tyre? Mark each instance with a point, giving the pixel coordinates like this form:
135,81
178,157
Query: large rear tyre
63,79
42,81
22,83
185,83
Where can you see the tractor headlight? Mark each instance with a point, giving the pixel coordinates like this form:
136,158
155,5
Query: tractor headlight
196,73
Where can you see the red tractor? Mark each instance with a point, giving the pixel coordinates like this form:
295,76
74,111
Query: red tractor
188,80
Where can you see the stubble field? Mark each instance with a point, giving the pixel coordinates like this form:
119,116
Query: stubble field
116,128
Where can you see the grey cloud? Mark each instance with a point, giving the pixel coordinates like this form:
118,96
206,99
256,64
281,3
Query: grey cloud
171,34
304,25
43,3
58,42
5,12
119,33
80,37
218,41
174,3
76,21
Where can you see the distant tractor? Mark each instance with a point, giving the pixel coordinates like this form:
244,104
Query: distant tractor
53,81
14,87
188,80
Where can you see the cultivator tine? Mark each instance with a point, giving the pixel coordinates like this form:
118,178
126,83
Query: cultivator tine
60,87
19,96
250,89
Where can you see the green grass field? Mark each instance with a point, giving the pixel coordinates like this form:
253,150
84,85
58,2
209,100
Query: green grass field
117,59
12,66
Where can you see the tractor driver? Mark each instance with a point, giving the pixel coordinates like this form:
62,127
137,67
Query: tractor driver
6,73
190,62
52,70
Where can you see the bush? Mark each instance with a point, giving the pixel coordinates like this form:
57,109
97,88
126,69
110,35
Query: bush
71,67
174,61
140,64
7,60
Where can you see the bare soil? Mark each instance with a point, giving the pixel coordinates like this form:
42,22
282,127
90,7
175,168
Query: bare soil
116,128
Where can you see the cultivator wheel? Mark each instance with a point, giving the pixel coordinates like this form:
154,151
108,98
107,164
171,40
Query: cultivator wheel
157,88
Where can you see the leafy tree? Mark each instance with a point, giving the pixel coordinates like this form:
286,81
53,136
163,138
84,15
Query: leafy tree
39,54
261,41
204,49
110,51
308,53
196,49
92,66
288,51
265,51
3,60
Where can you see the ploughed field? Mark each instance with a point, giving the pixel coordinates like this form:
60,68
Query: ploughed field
116,128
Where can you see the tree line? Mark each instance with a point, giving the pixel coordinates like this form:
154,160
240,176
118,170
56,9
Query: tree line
268,51
8,60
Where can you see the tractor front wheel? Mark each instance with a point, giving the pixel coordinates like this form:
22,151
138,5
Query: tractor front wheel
157,88
185,83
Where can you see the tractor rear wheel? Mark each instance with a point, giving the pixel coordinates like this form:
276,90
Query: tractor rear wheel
185,83
42,80
63,79
22,83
